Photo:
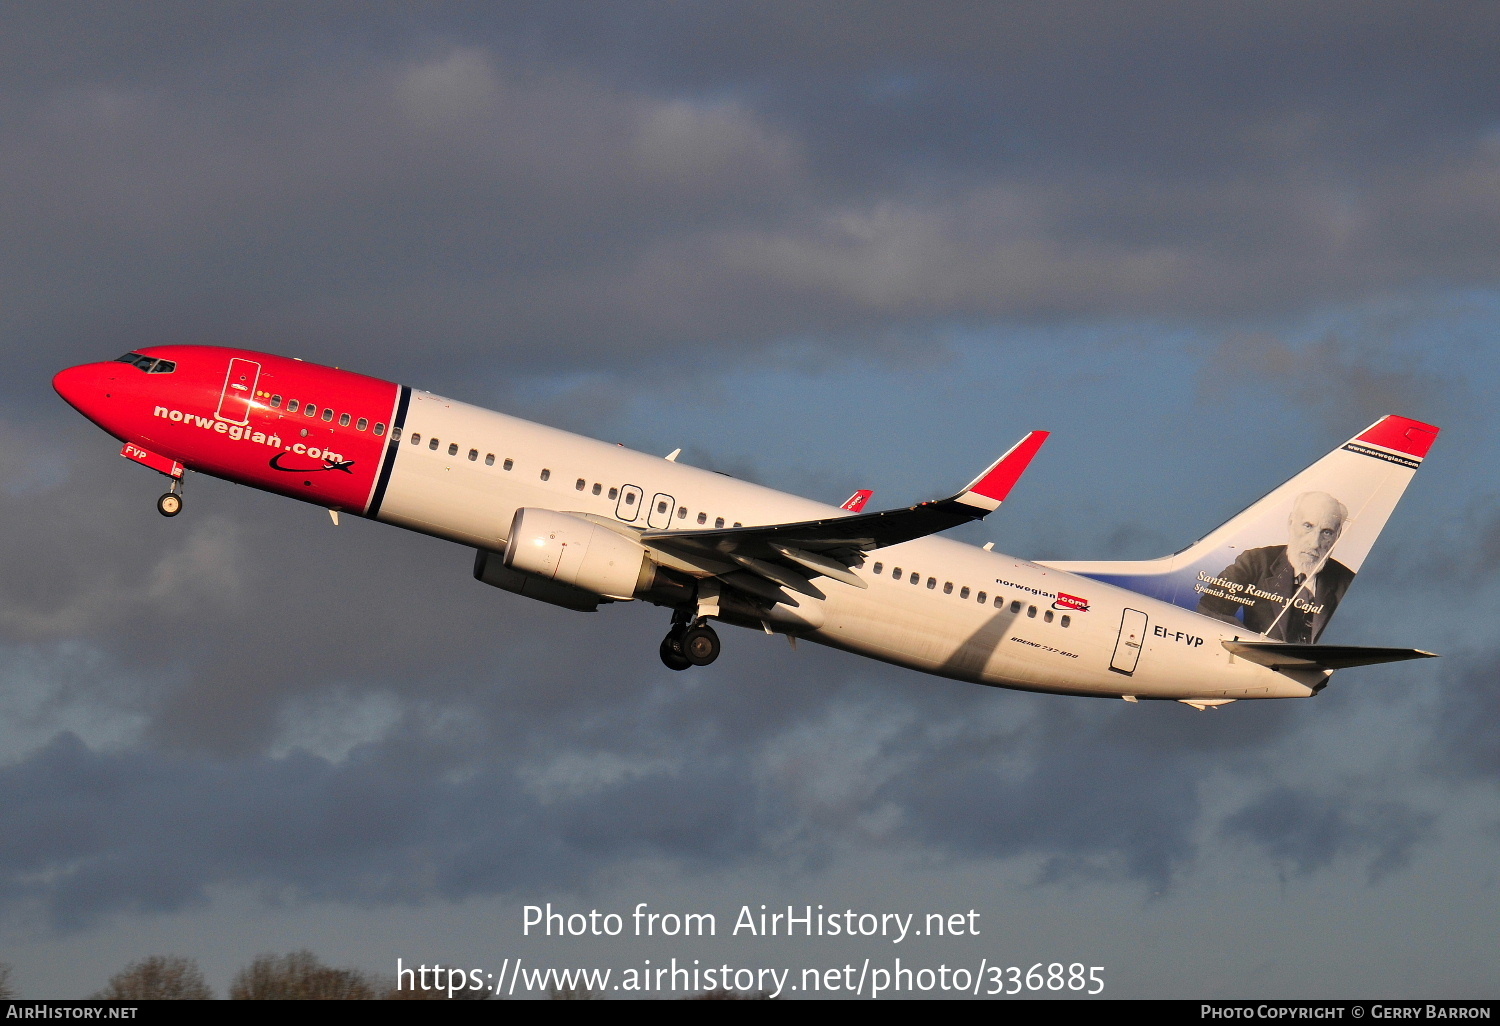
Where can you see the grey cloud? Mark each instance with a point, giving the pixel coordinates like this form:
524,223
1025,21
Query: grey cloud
647,189
1346,384
412,817
1465,744
1305,831
1099,795
642,186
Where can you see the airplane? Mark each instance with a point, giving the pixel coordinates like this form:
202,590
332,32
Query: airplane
581,523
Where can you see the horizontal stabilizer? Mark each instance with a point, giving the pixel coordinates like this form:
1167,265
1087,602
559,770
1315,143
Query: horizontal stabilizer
1280,656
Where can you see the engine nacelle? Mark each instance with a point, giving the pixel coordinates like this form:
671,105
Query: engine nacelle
570,550
490,568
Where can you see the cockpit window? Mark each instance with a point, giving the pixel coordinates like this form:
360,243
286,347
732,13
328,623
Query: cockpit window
149,364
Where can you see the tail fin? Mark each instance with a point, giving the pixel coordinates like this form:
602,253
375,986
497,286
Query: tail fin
1281,567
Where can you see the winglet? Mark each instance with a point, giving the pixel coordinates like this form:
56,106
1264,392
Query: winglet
988,490
856,502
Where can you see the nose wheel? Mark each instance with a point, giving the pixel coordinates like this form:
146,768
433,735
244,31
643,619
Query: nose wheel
170,504
684,646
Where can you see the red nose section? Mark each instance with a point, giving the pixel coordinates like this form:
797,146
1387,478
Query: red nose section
80,386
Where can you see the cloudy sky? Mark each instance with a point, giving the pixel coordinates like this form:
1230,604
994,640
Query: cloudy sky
822,246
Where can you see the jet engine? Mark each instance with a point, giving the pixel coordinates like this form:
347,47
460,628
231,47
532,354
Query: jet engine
568,549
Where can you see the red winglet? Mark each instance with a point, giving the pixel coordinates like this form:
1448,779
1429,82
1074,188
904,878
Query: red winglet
1402,435
856,502
997,482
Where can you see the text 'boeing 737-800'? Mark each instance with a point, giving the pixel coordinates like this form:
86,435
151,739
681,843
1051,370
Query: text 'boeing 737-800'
578,523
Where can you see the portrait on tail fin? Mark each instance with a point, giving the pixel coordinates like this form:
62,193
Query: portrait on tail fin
1286,592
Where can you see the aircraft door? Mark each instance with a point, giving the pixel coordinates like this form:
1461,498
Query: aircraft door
628,508
660,517
1128,647
239,389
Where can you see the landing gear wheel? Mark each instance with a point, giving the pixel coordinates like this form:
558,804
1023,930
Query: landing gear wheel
671,653
169,505
700,645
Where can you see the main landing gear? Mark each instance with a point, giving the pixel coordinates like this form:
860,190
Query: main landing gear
170,504
690,642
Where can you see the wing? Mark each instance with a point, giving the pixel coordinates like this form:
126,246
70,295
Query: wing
786,556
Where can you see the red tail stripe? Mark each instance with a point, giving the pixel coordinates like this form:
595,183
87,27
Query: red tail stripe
1403,435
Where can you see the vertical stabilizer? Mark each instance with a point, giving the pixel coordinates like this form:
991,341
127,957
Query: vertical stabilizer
1281,567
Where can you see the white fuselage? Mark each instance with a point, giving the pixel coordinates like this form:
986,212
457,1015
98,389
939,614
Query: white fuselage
1098,641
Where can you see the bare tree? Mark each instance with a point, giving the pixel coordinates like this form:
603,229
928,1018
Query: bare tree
299,976
158,978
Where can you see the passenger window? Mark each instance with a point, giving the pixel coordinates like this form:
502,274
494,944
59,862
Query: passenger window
1066,620
661,507
508,464
681,512
416,439
702,518
597,488
981,597
1015,607
489,459
947,587
546,474
1031,611
1047,616
915,577
275,401
473,455
363,424
580,485
963,593
452,448
310,410
613,492
896,573
738,524
328,413
1000,603
877,568
931,582
344,420
433,443
718,522
291,406
630,498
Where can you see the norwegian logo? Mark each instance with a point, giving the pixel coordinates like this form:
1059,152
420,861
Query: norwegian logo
1073,602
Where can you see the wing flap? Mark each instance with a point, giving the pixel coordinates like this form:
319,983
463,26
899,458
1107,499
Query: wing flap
772,557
